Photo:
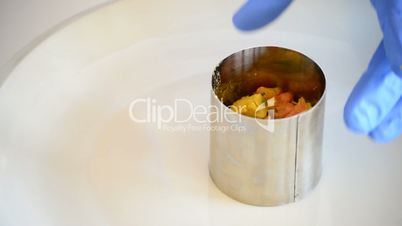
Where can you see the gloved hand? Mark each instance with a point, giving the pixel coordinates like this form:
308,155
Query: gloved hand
375,104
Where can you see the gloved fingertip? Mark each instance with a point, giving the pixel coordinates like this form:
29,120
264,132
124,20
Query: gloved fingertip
374,95
379,137
358,118
390,127
242,23
255,14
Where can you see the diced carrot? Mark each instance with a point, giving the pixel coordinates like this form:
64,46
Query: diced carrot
283,109
286,97
301,106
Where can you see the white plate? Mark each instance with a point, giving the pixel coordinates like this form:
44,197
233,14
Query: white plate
70,155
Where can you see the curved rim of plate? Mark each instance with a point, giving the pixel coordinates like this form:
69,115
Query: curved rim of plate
7,68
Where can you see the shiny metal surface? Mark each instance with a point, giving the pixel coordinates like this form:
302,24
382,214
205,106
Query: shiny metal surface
267,162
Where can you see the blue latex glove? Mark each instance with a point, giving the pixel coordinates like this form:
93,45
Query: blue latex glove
375,104
257,13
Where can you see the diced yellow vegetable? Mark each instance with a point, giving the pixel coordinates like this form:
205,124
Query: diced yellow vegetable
268,93
253,106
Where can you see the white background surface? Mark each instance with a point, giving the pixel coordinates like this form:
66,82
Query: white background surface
23,21
70,155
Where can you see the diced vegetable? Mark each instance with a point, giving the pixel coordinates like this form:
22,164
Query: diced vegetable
253,106
286,97
258,104
268,93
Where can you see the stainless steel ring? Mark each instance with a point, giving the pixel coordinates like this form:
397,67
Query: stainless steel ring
268,162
